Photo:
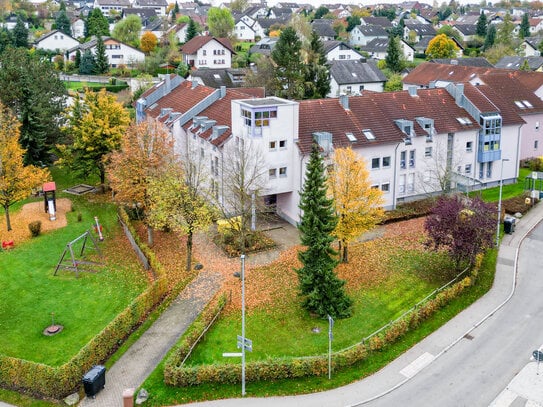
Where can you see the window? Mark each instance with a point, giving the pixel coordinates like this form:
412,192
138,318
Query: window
375,163
246,114
536,144
273,145
272,173
428,152
116,56
403,155
202,152
481,170
282,144
537,125
216,166
361,88
401,184
349,89
342,57
283,171
467,168
411,183
489,169
469,146
204,52
386,162
412,158
385,187
375,186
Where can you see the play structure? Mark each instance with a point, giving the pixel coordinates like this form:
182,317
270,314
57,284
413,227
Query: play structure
49,200
73,258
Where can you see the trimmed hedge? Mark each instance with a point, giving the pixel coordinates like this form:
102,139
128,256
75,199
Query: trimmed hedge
56,382
285,368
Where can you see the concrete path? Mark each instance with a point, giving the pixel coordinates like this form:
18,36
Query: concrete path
140,360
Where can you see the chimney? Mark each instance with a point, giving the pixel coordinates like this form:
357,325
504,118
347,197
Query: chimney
344,100
432,84
167,83
194,84
412,90
223,91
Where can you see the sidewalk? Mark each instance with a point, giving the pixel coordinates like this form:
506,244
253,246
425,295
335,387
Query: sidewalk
140,360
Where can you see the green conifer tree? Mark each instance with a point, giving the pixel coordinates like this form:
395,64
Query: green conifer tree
288,65
317,72
20,33
101,63
322,290
393,58
191,31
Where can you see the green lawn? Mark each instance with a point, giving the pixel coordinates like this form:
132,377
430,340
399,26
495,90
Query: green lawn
84,306
73,85
508,190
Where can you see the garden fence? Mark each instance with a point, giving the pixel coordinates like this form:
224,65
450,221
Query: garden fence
143,258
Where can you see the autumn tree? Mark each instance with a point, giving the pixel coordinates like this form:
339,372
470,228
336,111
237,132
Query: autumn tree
393,83
31,88
504,33
175,204
357,206
463,226
288,65
145,152
96,132
220,22
16,180
263,76
441,46
148,42
323,292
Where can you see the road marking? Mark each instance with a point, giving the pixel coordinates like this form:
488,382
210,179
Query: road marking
504,399
417,365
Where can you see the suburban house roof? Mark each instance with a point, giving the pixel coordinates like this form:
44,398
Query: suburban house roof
473,61
516,62
466,29
424,30
264,46
143,13
192,46
483,95
376,45
49,34
153,3
323,28
330,45
427,72
217,77
380,21
356,71
118,3
266,23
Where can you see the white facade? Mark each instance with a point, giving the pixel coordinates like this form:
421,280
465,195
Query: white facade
56,41
78,28
342,52
211,55
117,53
353,88
243,31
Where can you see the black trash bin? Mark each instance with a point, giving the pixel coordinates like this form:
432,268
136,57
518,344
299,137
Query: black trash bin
509,225
94,380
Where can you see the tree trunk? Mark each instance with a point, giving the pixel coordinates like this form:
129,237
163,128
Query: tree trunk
8,221
102,175
189,250
345,257
150,236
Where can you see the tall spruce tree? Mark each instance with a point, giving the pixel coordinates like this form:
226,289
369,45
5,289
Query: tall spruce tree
482,25
96,23
288,65
62,23
86,65
191,31
524,31
393,58
101,64
322,290
317,70
20,33
490,38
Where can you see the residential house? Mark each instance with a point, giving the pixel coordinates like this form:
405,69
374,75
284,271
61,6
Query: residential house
351,77
56,41
323,28
378,21
77,28
215,78
146,15
362,34
117,52
179,30
280,13
530,46
159,6
415,32
467,32
156,27
536,25
264,46
244,30
208,52
109,7
378,49
339,50
266,24
408,139
471,61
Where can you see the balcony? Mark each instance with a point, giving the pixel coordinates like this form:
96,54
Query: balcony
488,156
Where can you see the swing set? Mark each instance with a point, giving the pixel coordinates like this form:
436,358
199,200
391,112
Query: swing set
78,263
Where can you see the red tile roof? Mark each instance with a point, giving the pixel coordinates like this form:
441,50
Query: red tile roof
476,94
193,45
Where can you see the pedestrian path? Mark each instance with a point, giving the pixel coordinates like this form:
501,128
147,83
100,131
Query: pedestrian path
140,360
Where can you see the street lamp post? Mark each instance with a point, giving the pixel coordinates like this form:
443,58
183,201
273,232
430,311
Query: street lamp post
500,204
243,342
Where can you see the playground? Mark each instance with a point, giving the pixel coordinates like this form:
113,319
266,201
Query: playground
34,297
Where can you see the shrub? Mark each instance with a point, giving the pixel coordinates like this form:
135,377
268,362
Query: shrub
35,228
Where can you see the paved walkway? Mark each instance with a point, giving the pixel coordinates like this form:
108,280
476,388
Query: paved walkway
140,360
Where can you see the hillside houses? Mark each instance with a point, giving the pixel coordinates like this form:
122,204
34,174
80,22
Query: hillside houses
415,142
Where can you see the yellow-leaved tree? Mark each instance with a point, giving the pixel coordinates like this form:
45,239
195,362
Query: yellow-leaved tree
441,46
357,205
16,180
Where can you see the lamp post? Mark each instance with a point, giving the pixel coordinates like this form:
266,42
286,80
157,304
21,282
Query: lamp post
500,204
242,341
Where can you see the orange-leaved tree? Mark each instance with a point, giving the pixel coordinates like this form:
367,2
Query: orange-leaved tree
148,42
357,205
16,180
145,153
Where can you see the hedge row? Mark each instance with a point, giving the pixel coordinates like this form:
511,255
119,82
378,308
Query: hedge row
285,368
56,382
109,88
